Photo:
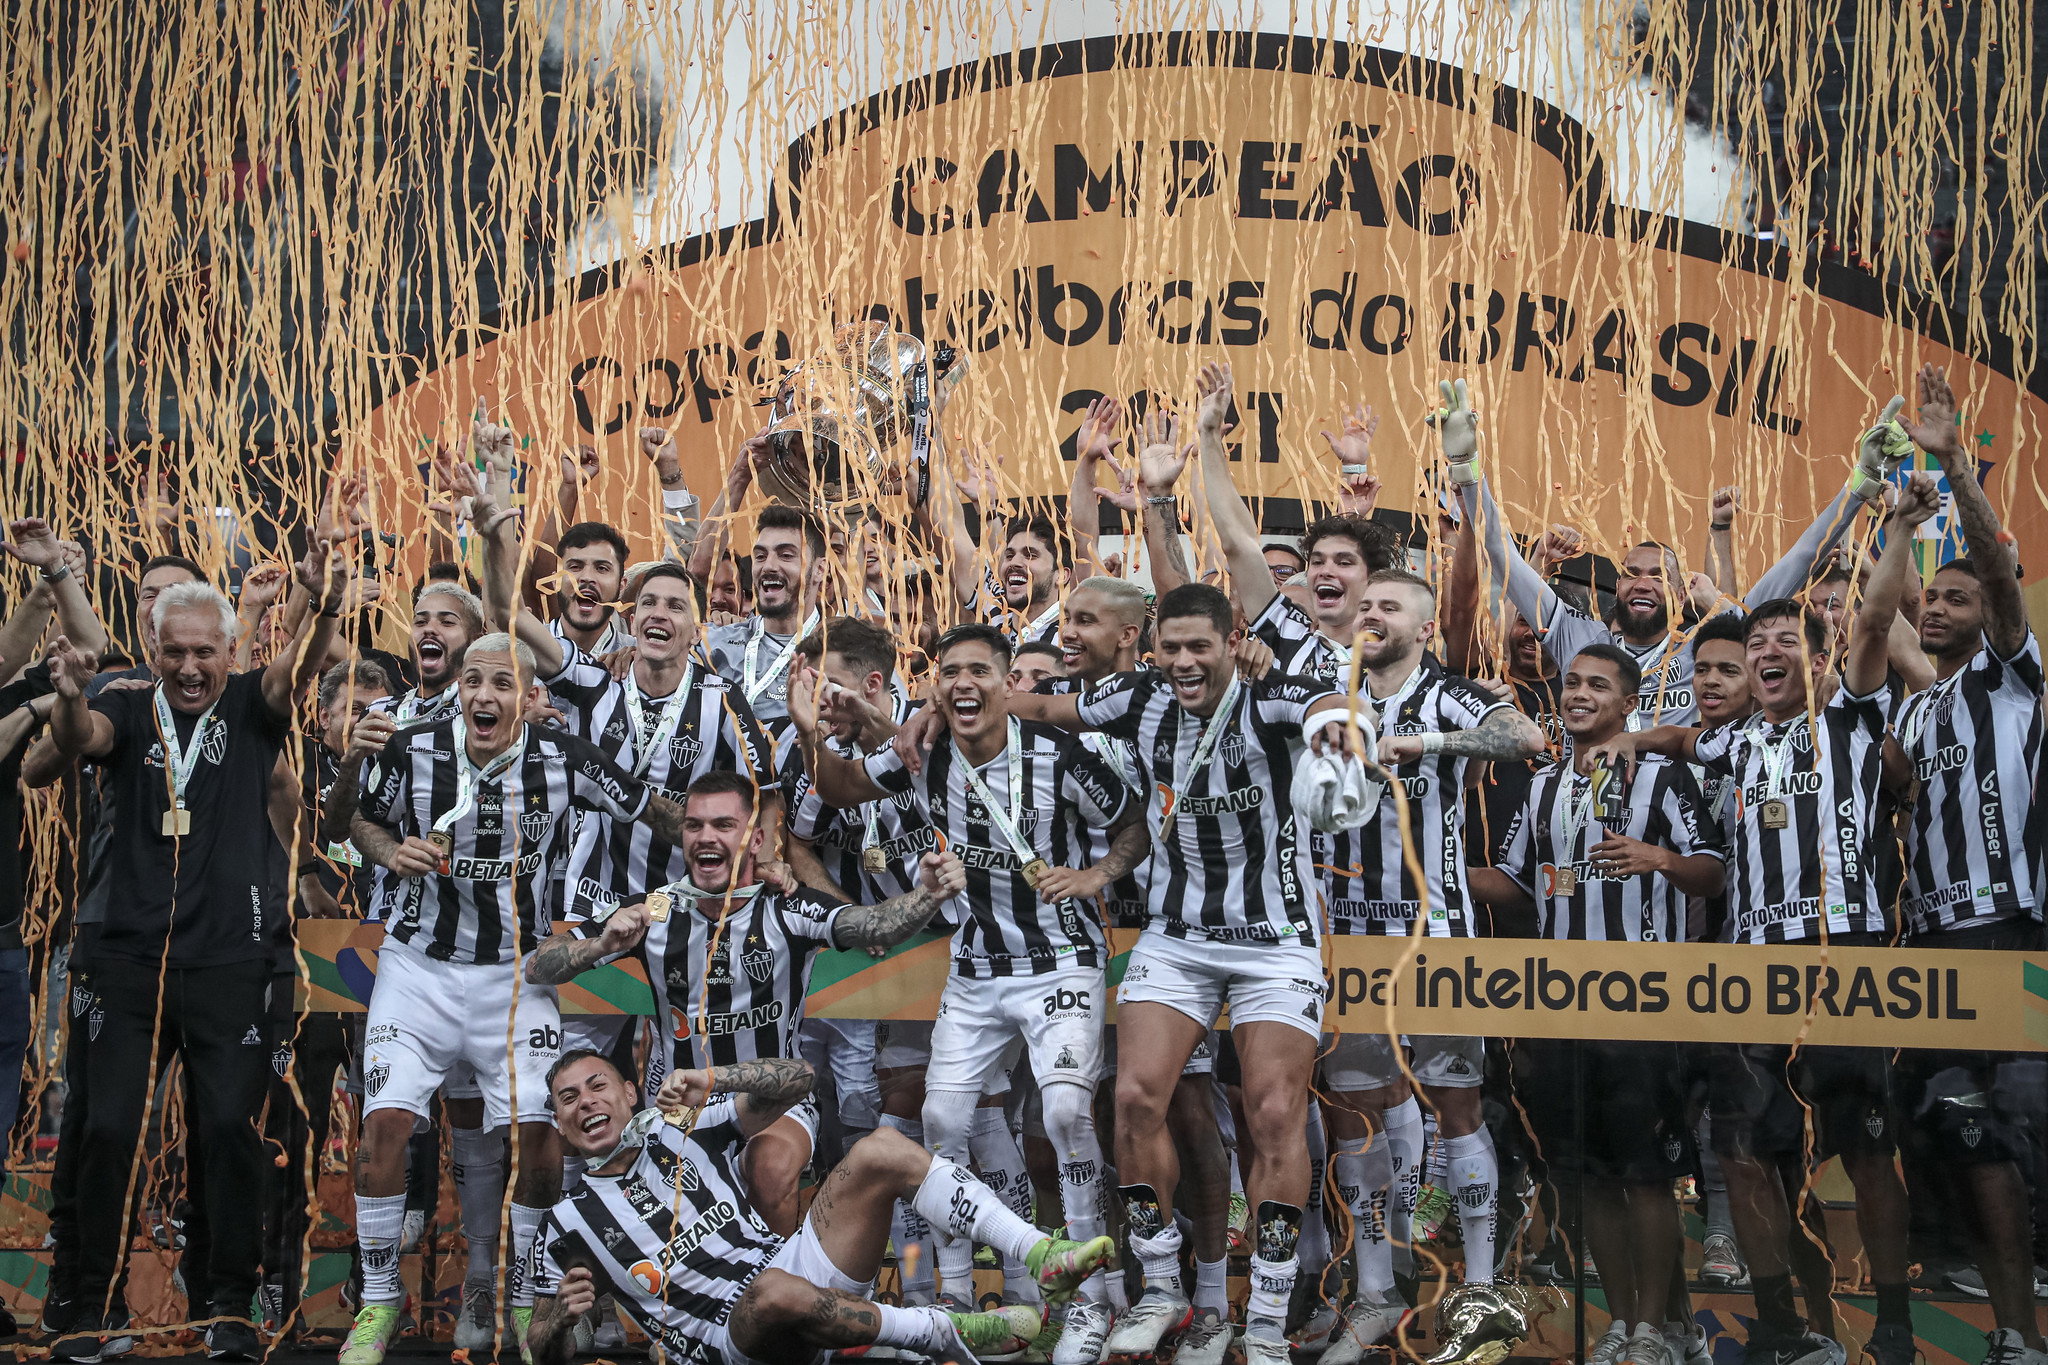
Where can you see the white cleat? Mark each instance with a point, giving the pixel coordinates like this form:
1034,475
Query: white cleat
1157,1315
1688,1344
1265,1345
1612,1343
1206,1340
476,1326
1367,1322
1084,1340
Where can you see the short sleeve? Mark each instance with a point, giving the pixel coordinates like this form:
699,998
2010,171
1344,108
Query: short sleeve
1681,810
387,782
743,745
1097,791
886,771
811,914
1283,626
1719,750
1280,701
544,1261
581,681
1114,705
596,783
122,709
718,1127
1518,846
1462,704
2020,676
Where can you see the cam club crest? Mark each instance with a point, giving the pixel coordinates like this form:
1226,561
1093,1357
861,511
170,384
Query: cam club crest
1231,749
684,750
533,826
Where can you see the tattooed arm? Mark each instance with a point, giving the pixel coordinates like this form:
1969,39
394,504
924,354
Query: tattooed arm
887,924
551,1338
778,1306
1129,844
565,956
1504,735
768,1088
381,845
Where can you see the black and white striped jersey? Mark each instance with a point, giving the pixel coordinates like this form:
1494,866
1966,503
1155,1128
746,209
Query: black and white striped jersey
387,893
1123,900
839,835
1561,821
751,990
1974,837
1666,696
1817,876
1003,928
1235,865
494,892
1298,646
675,1240
1366,877
713,731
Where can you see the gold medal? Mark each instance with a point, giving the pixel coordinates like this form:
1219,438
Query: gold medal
1564,881
1035,869
873,860
657,905
1776,814
177,821
445,842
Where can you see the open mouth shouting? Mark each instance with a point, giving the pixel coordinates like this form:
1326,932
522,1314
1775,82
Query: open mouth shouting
1189,686
656,632
188,689
432,652
1070,653
967,708
1017,583
488,722
771,583
1329,596
710,865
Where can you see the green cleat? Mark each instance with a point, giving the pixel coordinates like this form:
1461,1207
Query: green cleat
371,1337
522,1321
1061,1266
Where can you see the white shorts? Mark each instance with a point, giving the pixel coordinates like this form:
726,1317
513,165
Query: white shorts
846,1047
597,1033
901,1043
1201,1062
803,1256
1058,1015
1276,983
427,1018
460,1083
1366,1061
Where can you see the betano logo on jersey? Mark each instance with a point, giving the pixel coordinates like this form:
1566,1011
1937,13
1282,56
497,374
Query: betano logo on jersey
652,1276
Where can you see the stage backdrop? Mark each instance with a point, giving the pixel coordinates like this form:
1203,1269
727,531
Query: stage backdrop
1340,223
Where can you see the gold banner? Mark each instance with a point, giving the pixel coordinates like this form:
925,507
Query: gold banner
1514,988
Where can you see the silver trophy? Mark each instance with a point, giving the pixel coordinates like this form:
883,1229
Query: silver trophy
852,409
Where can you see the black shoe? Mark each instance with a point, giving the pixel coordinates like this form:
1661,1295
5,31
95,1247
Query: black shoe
9,1328
86,1347
232,1339
1768,1347
1891,1344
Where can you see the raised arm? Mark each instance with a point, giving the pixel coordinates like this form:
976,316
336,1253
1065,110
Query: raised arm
1459,610
1721,539
323,573
563,956
1160,462
1237,530
888,923
366,739
840,781
1878,456
1865,664
768,1088
1093,445
681,513
31,541
77,730
716,536
1991,547
1503,734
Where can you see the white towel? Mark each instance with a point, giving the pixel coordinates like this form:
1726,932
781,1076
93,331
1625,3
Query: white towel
1334,789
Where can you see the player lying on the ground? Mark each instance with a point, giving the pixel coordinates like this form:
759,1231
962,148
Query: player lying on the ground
664,1224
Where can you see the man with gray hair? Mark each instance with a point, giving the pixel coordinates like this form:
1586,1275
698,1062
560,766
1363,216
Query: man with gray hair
183,962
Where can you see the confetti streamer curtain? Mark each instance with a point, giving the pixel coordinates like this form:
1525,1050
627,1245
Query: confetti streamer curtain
252,247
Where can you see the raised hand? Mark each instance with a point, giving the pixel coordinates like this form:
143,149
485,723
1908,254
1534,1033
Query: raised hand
31,541
1727,501
493,444
1097,436
261,586
1352,445
740,477
1702,592
1457,427
580,467
1162,458
1918,500
1125,494
323,573
1558,545
341,510
624,929
942,874
1212,387
1933,427
371,732
71,668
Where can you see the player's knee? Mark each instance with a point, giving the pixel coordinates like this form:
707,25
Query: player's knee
771,1305
949,1118
885,1156
1140,1103
1066,1108
1276,1114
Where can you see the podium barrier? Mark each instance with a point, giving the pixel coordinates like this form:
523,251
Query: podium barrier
1520,988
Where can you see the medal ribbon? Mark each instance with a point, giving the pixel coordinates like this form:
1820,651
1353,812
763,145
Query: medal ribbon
754,686
179,765
1006,823
1774,755
671,717
1045,618
468,777
1574,820
1203,748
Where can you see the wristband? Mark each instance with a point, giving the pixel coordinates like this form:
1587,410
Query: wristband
1433,742
1720,525
331,615
58,574
1348,470
1162,500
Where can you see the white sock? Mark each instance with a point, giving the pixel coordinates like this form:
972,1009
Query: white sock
476,1158
1212,1286
953,1200
1365,1176
1315,1233
1404,1150
999,1158
1272,1285
1474,1174
1435,1168
927,1331
526,1223
380,1226
1068,1108
572,1172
